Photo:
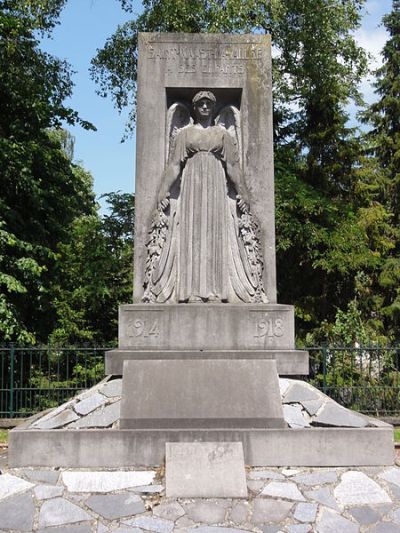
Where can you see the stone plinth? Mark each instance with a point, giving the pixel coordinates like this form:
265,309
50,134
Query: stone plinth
197,394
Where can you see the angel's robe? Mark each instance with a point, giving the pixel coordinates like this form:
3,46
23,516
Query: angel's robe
203,258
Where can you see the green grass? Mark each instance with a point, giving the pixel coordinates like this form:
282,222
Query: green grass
397,435
3,436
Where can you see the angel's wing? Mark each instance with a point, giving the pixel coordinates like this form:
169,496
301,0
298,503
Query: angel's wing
178,117
229,118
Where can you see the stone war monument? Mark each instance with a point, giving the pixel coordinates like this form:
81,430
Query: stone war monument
205,352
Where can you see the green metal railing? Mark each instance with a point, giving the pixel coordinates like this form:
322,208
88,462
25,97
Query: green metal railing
366,378
35,378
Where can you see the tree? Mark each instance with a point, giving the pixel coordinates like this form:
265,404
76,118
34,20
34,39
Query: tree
383,152
42,191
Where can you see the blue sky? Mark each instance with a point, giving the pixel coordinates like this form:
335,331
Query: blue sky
84,27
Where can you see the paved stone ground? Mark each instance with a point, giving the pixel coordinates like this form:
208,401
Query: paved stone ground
324,500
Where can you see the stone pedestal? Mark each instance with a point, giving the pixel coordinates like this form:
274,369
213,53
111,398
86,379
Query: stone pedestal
200,394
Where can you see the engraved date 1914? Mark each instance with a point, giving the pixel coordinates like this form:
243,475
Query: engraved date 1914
143,328
269,327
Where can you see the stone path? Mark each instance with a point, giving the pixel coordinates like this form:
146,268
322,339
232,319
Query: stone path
324,500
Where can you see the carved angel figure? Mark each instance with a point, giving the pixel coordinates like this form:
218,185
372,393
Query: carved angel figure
203,244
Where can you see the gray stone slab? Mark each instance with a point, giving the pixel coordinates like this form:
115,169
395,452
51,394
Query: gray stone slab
88,405
60,420
112,506
216,529
169,511
319,477
228,327
206,512
103,417
50,477
265,511
284,384
312,406
205,470
299,528
58,512
255,486
112,388
356,488
150,523
79,528
268,448
365,515
288,362
45,492
323,496
148,489
17,513
196,394
286,490
332,414
105,481
293,416
52,413
265,474
331,522
10,485
239,512
384,527
299,392
305,512
392,475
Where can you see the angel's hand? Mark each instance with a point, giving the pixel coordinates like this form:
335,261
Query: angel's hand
163,200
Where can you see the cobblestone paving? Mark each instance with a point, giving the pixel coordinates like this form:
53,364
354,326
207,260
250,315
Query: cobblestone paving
302,500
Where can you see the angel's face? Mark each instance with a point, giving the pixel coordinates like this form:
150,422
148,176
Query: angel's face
204,108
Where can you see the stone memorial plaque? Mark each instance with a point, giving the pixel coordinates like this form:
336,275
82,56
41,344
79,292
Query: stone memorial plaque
205,470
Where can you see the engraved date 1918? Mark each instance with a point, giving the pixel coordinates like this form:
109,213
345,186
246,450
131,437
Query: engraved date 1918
143,328
269,327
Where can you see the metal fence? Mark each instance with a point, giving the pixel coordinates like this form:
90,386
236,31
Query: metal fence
35,378
366,379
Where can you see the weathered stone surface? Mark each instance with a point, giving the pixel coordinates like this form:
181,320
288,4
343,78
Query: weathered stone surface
392,475
384,527
151,524
148,489
331,522
103,417
294,417
10,485
270,510
205,469
113,506
365,515
289,472
112,388
286,490
305,512
105,481
312,406
58,511
17,513
299,392
127,530
169,511
332,414
199,398
239,512
356,489
320,477
265,474
299,528
284,385
323,496
50,477
255,486
45,492
206,512
79,528
53,413
89,404
61,419
216,529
